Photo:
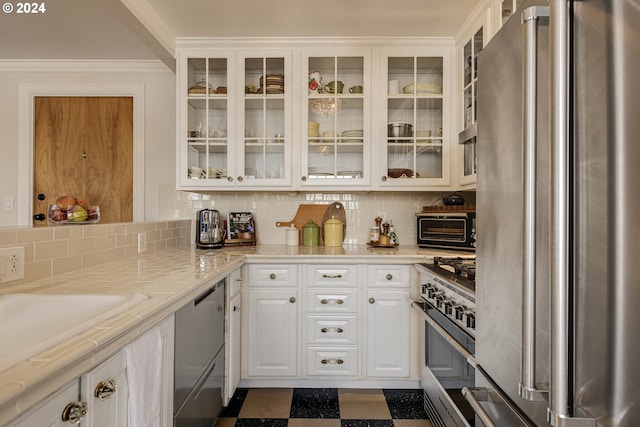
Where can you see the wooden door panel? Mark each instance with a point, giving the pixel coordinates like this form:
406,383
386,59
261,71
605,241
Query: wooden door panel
84,148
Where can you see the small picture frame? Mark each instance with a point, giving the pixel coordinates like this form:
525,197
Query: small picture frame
241,229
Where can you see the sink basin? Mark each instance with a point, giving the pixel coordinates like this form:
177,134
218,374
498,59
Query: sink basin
32,323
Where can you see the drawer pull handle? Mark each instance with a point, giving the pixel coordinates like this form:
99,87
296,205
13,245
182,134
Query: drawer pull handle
389,276
332,276
272,276
372,300
332,330
332,361
332,301
292,300
74,412
105,389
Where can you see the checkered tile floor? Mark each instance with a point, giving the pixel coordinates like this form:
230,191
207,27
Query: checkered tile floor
324,407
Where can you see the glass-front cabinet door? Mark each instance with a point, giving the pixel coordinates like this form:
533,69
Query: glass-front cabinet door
415,117
336,135
205,154
265,119
467,137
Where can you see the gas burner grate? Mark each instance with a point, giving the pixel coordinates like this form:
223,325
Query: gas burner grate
462,267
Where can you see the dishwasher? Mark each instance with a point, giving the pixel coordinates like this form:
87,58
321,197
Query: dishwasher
199,359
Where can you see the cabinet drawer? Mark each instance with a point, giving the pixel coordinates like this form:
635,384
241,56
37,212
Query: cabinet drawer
331,302
332,361
270,275
332,330
389,276
343,275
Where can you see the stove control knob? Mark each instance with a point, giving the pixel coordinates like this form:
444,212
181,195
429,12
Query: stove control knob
448,307
458,312
440,299
471,320
431,291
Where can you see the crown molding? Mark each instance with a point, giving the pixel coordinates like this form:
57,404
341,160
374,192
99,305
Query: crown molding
72,65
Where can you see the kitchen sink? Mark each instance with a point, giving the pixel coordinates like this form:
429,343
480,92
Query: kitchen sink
32,323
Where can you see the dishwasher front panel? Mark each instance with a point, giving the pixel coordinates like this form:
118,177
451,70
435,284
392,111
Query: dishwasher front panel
199,337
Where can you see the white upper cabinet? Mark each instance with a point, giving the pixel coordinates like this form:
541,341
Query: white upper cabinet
335,127
264,119
294,115
206,155
413,128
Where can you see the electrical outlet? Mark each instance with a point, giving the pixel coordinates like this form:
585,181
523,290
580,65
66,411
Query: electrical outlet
142,242
11,264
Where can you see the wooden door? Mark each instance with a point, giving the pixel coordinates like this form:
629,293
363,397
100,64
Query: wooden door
84,148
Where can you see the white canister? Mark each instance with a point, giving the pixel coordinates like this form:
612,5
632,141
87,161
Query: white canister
293,236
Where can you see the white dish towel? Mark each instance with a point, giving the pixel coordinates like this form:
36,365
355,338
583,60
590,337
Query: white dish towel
144,359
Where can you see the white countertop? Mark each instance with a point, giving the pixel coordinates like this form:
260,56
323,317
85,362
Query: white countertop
169,278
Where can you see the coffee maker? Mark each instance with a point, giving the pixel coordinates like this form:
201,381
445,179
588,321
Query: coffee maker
210,232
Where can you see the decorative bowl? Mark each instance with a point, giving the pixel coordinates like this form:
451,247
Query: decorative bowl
74,215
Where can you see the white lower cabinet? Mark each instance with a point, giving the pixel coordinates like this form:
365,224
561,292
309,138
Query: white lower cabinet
388,318
99,398
388,321
331,312
49,413
271,322
355,322
232,331
105,389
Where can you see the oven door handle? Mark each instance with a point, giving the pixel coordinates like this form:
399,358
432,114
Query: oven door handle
418,306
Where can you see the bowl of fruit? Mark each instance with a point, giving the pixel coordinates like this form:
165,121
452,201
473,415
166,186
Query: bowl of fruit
71,210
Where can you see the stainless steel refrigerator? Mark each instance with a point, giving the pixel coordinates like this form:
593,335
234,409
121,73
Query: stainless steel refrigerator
558,202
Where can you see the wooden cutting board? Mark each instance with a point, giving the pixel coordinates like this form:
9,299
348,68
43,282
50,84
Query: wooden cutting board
316,213
336,209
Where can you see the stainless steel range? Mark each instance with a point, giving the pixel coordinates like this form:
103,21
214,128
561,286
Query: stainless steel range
447,288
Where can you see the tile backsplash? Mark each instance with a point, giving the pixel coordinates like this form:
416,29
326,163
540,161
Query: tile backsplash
271,207
60,249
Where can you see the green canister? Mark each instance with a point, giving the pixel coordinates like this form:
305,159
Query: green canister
310,234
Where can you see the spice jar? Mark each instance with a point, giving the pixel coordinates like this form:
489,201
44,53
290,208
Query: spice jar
374,234
310,234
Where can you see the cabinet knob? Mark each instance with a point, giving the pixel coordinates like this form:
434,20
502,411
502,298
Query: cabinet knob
105,389
332,330
230,178
272,276
74,412
384,178
292,300
304,178
372,300
332,276
240,179
389,276
236,308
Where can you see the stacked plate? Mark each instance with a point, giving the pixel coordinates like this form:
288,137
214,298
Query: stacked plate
274,84
354,135
423,88
314,131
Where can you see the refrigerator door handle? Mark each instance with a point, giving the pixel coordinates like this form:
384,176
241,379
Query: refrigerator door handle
527,386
